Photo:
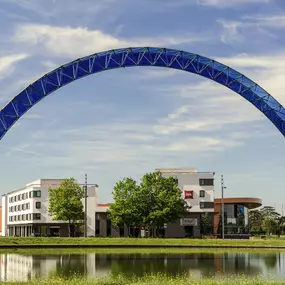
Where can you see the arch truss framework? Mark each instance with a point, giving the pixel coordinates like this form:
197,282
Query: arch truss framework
148,56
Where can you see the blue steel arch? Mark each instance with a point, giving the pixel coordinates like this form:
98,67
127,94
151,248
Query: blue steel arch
142,56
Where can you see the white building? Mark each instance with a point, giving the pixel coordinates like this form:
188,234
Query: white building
197,187
197,190
25,211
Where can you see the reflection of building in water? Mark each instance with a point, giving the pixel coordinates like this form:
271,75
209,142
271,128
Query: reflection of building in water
15,267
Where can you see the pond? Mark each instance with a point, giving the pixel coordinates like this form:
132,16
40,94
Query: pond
21,265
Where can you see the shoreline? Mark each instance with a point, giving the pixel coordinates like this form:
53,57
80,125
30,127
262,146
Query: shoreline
145,246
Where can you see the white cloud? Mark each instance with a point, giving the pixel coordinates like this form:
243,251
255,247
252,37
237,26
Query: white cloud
8,62
238,30
229,3
76,42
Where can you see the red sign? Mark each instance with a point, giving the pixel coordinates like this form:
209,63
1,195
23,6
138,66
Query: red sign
188,194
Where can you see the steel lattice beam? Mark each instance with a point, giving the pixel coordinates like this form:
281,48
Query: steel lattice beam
142,56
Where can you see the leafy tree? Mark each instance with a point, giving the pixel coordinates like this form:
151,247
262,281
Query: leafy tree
65,202
123,211
156,201
255,221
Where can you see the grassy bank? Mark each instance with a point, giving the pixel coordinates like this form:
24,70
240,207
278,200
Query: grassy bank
128,251
136,242
154,280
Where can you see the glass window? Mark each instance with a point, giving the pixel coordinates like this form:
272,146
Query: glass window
15,218
38,205
202,193
206,182
19,197
27,216
19,207
23,196
27,206
23,207
36,216
23,217
30,194
15,208
15,198
27,195
38,193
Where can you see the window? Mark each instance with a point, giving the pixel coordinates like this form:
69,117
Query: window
19,197
37,193
27,206
36,216
27,217
38,205
27,195
18,217
19,207
15,198
206,205
206,182
30,194
188,194
23,207
23,217
15,208
23,196
202,193
12,199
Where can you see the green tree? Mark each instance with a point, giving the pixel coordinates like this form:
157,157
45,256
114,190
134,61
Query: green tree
65,202
255,221
124,211
269,219
156,201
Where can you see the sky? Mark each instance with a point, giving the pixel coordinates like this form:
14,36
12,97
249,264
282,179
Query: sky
126,122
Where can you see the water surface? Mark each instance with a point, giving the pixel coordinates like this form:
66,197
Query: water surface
24,265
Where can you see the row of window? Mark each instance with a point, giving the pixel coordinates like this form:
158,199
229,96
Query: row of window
23,207
24,196
26,217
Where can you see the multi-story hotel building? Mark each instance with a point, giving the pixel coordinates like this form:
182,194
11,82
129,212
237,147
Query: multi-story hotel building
198,191
25,211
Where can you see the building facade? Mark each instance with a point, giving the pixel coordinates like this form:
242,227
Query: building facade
236,218
197,190
25,211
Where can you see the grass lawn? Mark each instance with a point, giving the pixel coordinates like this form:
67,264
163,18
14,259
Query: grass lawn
154,280
128,242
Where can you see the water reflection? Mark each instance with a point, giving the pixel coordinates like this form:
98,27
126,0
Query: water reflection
19,267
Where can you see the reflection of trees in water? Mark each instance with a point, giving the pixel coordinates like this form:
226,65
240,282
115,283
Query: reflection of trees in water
69,264
207,264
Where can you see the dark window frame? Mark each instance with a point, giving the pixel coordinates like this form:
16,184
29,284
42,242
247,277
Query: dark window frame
206,182
202,193
38,205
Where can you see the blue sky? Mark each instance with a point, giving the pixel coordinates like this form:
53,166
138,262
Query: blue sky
130,121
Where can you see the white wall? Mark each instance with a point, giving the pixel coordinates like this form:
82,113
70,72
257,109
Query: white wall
43,185
188,179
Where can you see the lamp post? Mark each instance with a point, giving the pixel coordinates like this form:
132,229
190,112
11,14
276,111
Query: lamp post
85,212
223,207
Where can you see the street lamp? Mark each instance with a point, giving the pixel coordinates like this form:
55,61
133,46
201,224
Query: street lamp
223,207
